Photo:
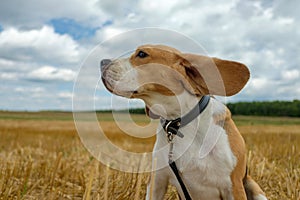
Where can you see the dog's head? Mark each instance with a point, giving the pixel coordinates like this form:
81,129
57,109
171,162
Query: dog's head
158,71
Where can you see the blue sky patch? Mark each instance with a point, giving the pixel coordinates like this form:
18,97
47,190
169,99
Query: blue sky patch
1,28
75,29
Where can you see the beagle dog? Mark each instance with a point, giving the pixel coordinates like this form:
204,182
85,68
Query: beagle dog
210,153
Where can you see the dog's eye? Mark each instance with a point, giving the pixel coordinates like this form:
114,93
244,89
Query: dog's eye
142,54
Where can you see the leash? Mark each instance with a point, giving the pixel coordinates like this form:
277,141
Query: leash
172,127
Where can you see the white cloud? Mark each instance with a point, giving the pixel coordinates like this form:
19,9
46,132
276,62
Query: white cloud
6,63
30,90
66,95
262,34
8,76
291,75
259,83
49,73
108,33
42,45
34,13
285,20
162,7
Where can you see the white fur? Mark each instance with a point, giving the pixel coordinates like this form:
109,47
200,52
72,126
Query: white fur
170,107
260,197
122,77
207,174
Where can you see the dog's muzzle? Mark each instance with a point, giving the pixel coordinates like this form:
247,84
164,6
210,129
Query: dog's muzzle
104,64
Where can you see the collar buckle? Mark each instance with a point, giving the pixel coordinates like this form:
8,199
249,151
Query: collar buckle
170,137
171,127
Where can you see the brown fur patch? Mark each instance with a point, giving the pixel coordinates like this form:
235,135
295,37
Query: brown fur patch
215,76
237,145
156,54
160,71
243,186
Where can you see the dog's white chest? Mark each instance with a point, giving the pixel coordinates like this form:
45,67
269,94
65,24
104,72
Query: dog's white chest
208,177
205,160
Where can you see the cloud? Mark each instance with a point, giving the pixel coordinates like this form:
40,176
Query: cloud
49,73
291,75
65,95
33,92
38,45
37,65
33,14
46,43
8,76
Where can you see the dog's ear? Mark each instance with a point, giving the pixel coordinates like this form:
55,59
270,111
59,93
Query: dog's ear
214,76
151,114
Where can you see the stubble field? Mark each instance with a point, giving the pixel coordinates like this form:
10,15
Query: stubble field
42,157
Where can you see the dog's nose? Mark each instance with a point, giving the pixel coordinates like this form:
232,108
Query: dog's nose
104,63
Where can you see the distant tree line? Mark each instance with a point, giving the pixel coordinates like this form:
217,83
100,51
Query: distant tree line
131,110
137,111
266,108
256,108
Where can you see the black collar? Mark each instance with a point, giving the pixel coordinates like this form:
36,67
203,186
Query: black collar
172,126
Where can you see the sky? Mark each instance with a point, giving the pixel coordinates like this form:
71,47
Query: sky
44,43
